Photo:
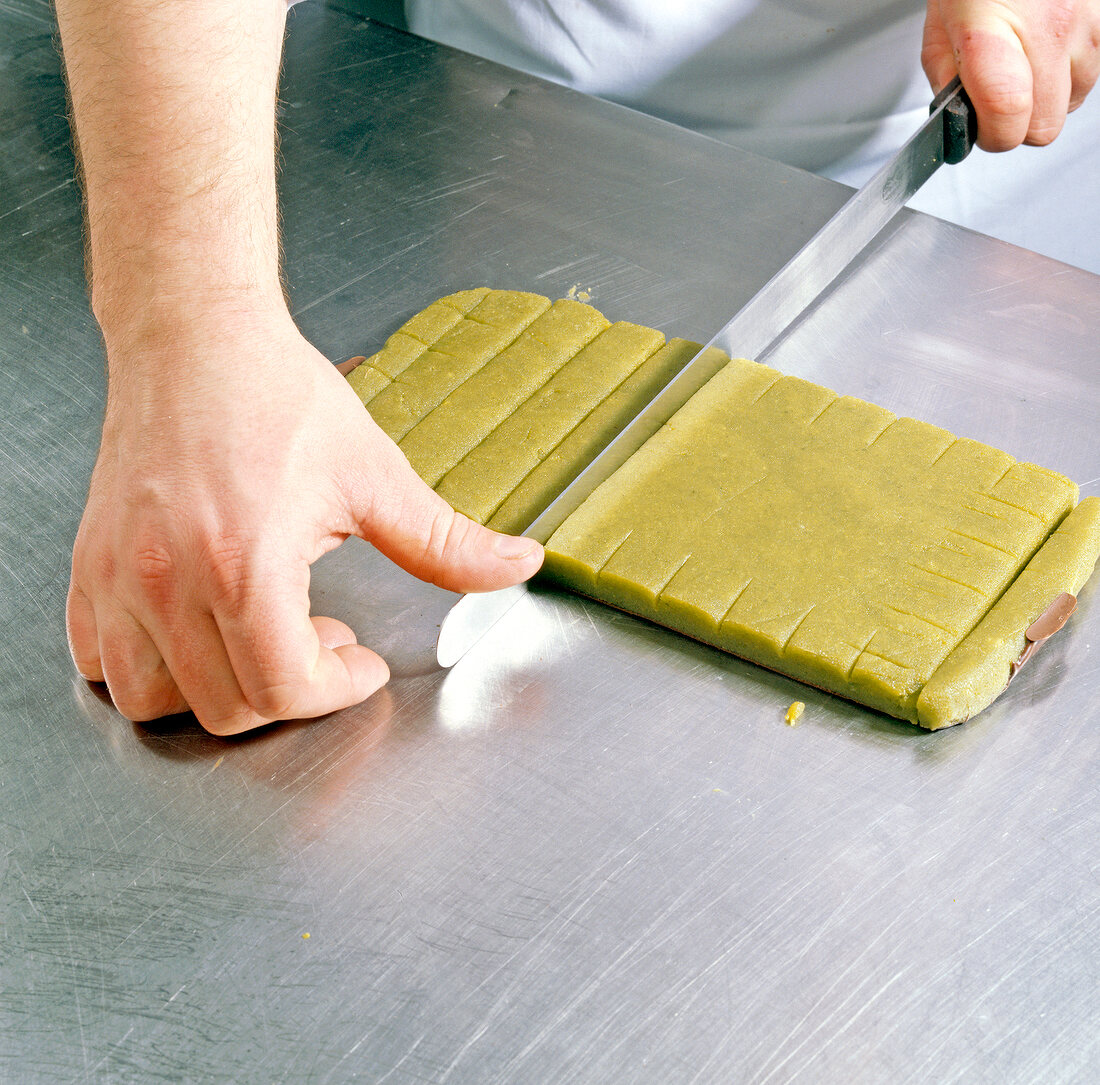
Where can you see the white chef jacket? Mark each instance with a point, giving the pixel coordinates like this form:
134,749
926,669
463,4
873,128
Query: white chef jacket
833,86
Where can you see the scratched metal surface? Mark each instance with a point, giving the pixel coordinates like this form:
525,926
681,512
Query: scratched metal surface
592,852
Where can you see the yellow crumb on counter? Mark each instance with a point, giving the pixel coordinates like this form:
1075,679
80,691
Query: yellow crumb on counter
793,713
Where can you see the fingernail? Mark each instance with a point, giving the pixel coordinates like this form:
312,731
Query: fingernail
515,547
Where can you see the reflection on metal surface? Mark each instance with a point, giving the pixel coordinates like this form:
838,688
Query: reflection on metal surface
470,619
317,761
520,648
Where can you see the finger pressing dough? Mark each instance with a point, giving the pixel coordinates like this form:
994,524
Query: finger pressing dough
877,557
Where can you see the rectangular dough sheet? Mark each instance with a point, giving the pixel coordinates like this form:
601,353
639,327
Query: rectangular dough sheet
876,557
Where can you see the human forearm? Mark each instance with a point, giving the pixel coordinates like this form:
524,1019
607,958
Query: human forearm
214,491
174,108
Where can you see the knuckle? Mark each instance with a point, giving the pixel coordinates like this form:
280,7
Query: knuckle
86,662
153,568
224,726
274,699
440,537
243,717
95,564
142,703
140,688
932,58
1006,99
272,702
447,536
232,724
1040,135
226,560
82,640
92,561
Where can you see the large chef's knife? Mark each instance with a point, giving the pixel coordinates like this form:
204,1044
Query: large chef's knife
947,136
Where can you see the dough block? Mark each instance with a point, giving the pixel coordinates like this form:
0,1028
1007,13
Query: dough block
880,558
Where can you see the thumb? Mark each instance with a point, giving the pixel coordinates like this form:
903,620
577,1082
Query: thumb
412,525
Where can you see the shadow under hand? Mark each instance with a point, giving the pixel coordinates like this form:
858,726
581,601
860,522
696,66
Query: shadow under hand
392,612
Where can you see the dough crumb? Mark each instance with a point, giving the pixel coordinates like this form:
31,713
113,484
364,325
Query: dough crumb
794,712
579,293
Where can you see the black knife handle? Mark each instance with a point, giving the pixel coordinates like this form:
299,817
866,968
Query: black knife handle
960,124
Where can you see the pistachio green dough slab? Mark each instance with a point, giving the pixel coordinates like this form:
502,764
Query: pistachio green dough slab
877,557
500,398
980,667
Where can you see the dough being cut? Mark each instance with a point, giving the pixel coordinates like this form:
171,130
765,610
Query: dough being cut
877,557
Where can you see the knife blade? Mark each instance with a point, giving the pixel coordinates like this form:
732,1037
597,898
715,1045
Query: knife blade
946,136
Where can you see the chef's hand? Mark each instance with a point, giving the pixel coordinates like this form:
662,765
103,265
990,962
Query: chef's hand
1024,63
237,458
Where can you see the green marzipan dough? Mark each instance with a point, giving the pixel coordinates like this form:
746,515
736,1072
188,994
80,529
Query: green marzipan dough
531,433
498,431
449,433
816,534
980,667
589,436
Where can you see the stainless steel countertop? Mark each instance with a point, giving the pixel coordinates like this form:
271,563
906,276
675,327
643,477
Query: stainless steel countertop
591,852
